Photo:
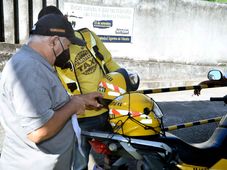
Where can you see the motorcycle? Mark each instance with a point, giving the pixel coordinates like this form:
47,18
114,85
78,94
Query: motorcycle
139,141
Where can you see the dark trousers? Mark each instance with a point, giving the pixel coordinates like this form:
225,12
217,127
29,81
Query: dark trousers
96,123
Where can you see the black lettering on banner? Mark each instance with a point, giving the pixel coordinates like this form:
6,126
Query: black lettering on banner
102,24
115,39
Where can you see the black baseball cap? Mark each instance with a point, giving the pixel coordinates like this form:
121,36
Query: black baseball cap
49,10
53,24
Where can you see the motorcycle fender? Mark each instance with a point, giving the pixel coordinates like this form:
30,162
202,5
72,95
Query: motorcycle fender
221,164
191,167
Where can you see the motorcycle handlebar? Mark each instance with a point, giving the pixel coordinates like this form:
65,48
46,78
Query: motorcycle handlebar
219,99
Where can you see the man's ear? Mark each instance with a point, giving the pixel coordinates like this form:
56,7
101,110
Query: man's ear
53,40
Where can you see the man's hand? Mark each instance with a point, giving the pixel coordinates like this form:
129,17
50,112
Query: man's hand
78,103
197,91
214,83
85,101
91,100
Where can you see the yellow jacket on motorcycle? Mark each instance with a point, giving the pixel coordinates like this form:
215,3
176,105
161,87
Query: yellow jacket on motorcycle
87,67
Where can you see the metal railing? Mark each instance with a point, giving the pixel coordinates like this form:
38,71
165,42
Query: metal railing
15,6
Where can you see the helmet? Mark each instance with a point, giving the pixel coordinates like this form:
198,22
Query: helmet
116,83
135,114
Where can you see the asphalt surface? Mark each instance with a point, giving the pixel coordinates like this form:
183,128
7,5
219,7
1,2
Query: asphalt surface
183,106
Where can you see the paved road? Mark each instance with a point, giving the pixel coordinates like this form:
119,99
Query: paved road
181,107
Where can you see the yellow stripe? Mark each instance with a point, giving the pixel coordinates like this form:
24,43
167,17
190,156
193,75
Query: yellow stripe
189,87
174,127
188,124
204,86
157,90
218,119
174,89
203,121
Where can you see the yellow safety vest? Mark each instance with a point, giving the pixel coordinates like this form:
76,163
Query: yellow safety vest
82,74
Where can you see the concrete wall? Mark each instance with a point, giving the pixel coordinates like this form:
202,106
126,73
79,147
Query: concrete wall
185,31
182,31
175,42
153,74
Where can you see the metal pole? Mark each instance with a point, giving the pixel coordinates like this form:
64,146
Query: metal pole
57,3
172,89
30,14
16,21
44,3
190,124
2,30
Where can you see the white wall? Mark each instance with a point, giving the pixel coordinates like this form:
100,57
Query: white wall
8,21
185,31
188,31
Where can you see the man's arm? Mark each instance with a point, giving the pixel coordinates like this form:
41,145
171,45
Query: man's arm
222,82
76,105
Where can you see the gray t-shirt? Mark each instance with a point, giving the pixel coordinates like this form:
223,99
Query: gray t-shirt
30,91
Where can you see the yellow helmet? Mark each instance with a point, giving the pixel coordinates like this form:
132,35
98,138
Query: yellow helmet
135,114
116,83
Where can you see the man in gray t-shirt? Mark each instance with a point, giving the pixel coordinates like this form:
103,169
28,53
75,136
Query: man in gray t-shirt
35,109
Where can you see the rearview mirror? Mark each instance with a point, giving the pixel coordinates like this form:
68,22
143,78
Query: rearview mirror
214,75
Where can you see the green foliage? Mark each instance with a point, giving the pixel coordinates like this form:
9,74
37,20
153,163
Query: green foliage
221,1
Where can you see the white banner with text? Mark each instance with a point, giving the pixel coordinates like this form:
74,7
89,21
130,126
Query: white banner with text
111,24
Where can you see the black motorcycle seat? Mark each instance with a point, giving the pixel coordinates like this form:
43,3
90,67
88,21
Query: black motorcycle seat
201,154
